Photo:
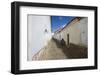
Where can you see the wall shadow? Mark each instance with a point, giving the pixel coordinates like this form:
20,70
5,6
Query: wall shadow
72,51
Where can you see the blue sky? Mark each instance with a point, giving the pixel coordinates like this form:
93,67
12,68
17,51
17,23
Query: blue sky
59,21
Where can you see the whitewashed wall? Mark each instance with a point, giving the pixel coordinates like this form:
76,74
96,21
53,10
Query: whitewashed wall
83,26
37,37
57,36
77,30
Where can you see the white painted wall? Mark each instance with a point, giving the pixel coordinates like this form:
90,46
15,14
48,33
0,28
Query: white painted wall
57,36
77,31
83,26
37,37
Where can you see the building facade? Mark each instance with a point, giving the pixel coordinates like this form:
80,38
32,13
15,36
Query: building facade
76,32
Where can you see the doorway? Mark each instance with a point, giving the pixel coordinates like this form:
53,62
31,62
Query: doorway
67,39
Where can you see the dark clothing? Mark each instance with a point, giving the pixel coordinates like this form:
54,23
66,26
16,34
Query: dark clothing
63,42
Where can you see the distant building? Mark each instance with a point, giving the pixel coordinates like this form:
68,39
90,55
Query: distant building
75,32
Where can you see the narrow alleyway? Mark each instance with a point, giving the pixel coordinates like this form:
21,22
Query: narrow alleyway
56,50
